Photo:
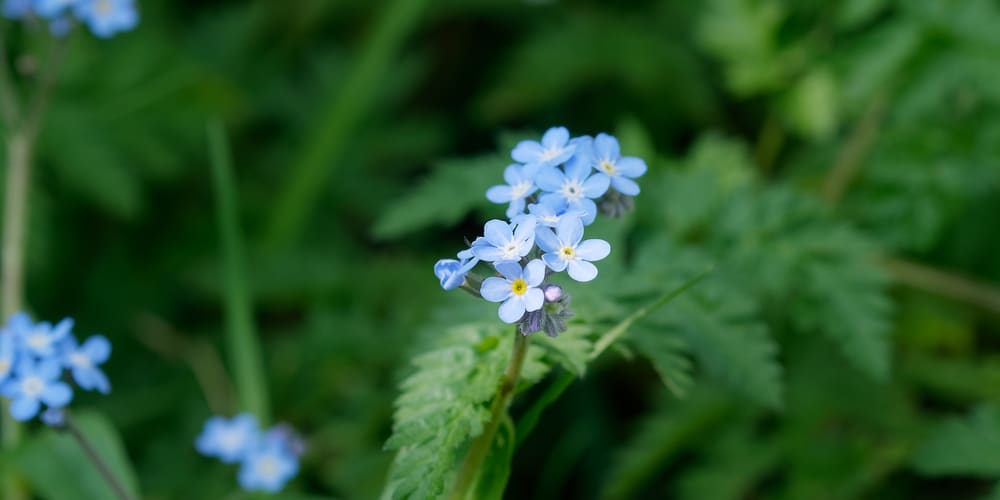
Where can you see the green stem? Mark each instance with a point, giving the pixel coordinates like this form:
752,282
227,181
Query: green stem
95,458
243,346
481,446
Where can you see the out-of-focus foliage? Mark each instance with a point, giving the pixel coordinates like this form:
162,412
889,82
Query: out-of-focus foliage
797,148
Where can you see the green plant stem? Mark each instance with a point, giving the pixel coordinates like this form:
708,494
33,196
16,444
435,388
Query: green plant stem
95,458
242,342
481,446
944,283
852,154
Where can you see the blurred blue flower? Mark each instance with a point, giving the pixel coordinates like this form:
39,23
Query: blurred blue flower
53,417
8,354
17,9
574,189
60,26
53,8
39,339
228,440
565,251
519,186
517,289
83,361
452,272
35,383
105,18
607,158
503,241
554,149
267,468
549,216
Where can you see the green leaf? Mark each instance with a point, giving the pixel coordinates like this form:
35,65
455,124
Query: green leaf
668,352
495,471
966,446
58,469
571,349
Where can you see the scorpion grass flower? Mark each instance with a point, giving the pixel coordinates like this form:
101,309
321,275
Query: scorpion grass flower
105,18
39,339
52,8
502,241
517,289
83,361
621,170
519,186
228,440
554,149
565,250
17,9
575,189
36,383
452,272
8,354
267,468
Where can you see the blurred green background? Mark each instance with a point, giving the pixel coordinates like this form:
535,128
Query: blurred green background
838,163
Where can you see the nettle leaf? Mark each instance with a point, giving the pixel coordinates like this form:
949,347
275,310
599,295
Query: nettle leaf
453,189
669,354
967,446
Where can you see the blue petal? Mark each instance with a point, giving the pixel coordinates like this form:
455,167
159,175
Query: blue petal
582,270
62,328
495,289
570,230
511,310
596,185
534,273
550,179
499,193
49,369
526,151
587,207
631,166
555,200
545,240
487,254
555,262
593,250
534,299
625,185
579,167
24,408
606,147
516,208
509,269
555,137
497,233
512,174
57,394
525,232
445,268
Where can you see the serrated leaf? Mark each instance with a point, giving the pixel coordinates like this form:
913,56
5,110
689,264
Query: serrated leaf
966,446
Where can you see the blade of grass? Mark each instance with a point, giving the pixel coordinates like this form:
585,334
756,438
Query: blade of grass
347,106
241,335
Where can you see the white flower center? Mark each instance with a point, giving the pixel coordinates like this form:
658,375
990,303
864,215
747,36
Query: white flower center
520,190
607,166
32,386
80,360
38,341
231,440
550,153
103,7
510,250
572,190
550,219
567,253
267,467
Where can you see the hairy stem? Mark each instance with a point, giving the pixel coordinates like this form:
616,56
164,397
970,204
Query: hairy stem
95,458
481,446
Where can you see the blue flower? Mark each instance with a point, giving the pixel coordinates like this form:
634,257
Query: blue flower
267,468
17,9
452,272
565,251
608,159
39,339
574,189
549,216
228,440
53,417
517,289
107,17
503,241
8,354
36,383
60,26
519,186
52,8
83,362
554,149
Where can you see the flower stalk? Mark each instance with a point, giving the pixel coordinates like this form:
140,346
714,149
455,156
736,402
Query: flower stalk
95,458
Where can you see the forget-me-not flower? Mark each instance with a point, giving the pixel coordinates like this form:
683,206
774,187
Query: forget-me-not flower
517,289
607,159
105,18
554,149
8,354
452,272
565,251
39,339
35,383
17,9
228,440
519,186
574,189
52,8
267,468
549,216
503,241
83,361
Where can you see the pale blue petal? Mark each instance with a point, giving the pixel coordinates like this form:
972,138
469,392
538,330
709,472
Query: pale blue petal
625,185
606,147
495,289
579,167
488,254
570,230
445,268
57,395
509,269
512,174
526,151
596,185
499,194
587,208
631,166
11,389
555,262
555,200
24,408
555,137
582,270
534,273
497,233
550,179
533,300
49,369
516,208
100,381
593,250
62,328
545,240
525,232
511,310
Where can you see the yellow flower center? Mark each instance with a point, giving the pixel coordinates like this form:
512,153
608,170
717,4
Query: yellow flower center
103,7
4,367
567,253
519,286
607,166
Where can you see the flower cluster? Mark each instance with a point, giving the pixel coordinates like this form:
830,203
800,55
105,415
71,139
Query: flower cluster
267,459
557,187
35,356
105,18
